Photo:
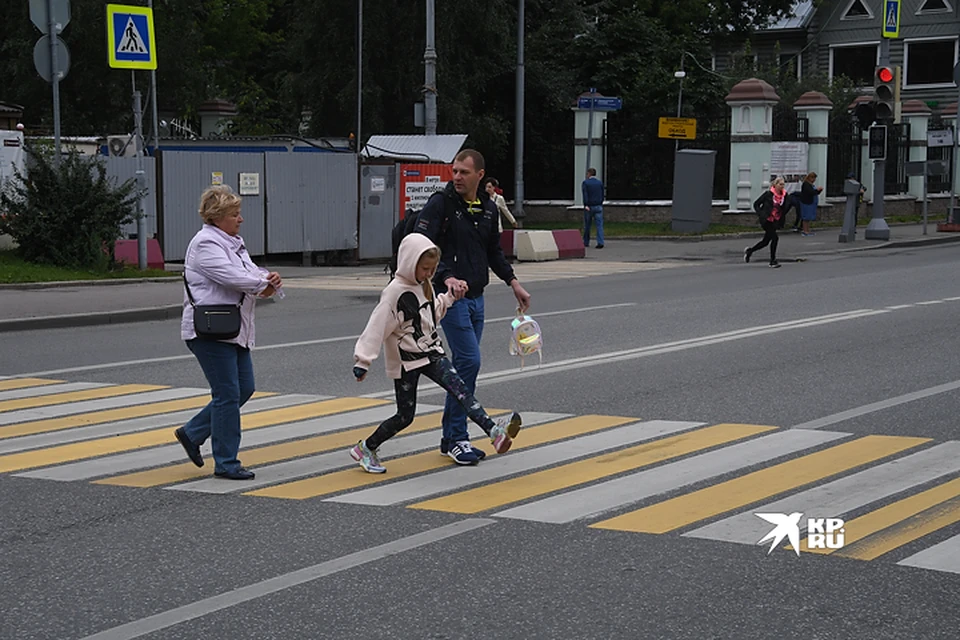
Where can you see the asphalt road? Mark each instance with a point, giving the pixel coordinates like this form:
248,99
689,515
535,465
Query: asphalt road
826,354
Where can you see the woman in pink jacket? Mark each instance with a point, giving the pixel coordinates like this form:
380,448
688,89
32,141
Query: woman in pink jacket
405,324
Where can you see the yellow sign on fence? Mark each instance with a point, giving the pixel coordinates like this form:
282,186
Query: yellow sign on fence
678,128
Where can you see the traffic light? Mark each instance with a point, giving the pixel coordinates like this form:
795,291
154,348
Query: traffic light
877,142
865,113
883,90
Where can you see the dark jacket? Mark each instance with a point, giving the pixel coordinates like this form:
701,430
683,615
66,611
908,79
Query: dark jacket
807,193
764,207
470,245
592,192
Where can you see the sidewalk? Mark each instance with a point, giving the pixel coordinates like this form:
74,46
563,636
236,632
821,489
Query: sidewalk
57,305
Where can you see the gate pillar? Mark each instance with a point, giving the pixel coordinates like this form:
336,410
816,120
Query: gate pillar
751,132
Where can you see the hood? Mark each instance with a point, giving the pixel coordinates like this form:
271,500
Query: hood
411,248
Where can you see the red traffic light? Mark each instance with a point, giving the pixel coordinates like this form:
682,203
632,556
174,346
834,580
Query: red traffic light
885,74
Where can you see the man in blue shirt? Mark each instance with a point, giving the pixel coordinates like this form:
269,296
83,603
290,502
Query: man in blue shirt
592,207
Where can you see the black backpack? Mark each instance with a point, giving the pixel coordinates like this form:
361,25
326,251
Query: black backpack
405,227
400,231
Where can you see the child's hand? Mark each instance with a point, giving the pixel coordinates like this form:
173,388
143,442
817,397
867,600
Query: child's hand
359,373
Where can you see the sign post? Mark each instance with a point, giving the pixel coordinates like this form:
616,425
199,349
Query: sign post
50,55
131,44
956,157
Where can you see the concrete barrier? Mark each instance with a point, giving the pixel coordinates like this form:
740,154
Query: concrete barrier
126,251
569,243
535,246
506,243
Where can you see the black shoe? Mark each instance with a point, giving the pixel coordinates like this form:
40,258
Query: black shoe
599,246
193,451
774,264
445,448
237,474
746,254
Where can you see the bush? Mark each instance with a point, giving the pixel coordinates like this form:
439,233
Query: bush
68,215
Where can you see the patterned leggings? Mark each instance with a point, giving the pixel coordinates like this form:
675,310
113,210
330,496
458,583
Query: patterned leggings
441,371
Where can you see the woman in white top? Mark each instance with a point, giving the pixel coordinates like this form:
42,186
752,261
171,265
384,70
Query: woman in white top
492,186
218,270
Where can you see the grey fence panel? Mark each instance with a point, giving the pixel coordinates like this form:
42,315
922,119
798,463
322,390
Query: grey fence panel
123,169
185,175
311,202
378,210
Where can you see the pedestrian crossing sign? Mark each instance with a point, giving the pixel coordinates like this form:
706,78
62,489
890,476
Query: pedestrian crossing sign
891,18
131,43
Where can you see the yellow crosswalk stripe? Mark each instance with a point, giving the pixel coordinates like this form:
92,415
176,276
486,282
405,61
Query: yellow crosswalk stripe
565,476
25,383
156,437
888,516
76,396
739,492
881,531
268,454
430,460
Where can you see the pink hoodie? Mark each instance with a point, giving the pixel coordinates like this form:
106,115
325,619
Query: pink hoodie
402,321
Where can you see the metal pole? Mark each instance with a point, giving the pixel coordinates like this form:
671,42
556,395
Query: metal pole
55,80
925,196
953,217
430,73
518,117
593,90
141,182
359,72
153,100
676,143
878,228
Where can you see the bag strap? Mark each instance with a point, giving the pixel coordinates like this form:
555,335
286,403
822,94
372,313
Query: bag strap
193,303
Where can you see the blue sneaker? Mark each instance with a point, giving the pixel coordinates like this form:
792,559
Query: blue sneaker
462,453
445,449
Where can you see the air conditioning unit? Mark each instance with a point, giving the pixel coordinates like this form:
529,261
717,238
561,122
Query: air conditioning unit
121,146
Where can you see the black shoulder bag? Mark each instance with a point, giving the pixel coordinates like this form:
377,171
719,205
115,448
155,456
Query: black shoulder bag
215,321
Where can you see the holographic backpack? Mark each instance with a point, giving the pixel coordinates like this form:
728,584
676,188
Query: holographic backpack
525,337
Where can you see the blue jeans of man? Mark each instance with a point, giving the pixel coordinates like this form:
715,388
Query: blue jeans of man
229,371
594,215
463,327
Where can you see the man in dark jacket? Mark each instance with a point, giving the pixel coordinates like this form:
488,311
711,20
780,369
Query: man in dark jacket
462,221
592,207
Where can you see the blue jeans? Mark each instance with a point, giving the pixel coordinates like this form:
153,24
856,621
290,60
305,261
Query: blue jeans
463,326
229,371
595,214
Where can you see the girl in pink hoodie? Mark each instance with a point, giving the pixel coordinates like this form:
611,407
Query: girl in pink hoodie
405,324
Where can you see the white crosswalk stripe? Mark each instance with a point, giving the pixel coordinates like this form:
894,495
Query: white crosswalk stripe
576,468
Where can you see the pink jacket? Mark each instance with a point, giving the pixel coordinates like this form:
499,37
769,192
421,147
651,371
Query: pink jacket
219,270
402,321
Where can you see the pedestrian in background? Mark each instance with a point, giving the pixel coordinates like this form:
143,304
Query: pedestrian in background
218,271
493,190
592,207
809,199
404,323
772,207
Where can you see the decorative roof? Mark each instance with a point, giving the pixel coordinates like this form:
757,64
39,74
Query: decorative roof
858,100
217,106
10,109
915,106
752,90
813,99
439,148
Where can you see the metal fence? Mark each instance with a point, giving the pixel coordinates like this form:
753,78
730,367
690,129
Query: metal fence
640,165
940,183
898,154
844,152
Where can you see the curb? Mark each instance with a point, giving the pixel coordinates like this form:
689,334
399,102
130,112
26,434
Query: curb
84,283
91,319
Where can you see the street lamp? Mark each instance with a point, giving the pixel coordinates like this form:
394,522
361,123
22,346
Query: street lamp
679,75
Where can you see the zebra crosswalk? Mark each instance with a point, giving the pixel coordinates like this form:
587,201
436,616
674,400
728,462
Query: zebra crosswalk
617,473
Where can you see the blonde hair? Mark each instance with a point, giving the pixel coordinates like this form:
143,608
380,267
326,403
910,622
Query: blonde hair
777,181
811,177
433,253
217,202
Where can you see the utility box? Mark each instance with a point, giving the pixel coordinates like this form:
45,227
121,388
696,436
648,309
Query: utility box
692,190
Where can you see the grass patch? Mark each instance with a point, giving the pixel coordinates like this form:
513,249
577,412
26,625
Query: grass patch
14,269
636,229
633,229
